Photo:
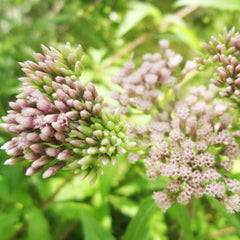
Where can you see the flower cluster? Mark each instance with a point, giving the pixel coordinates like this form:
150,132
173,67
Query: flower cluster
59,123
194,149
142,86
223,52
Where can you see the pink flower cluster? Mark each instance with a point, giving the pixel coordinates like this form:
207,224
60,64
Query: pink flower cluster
193,147
142,86
60,123
223,52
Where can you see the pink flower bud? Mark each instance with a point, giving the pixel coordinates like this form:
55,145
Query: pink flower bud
61,106
64,155
14,151
92,150
224,59
92,89
70,82
77,143
223,94
78,105
41,162
237,68
216,82
51,118
105,142
91,141
87,96
31,171
26,122
14,160
31,155
230,89
98,133
208,47
61,95
85,114
73,94
99,99
72,115
15,106
88,105
105,160
80,87
38,148
230,70
164,44
97,109
48,131
229,81
237,82
53,169
52,152
60,137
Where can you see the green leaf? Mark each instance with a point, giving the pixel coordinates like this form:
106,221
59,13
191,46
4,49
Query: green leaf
137,12
181,214
93,230
138,227
125,205
38,227
186,35
231,218
109,178
231,5
70,210
7,226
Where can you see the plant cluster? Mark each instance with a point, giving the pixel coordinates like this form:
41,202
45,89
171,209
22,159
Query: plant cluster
191,140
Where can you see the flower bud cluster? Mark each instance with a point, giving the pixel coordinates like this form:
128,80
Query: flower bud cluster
224,53
194,149
142,86
59,123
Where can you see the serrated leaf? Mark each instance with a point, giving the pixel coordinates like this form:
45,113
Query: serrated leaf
137,12
38,227
231,5
138,227
93,230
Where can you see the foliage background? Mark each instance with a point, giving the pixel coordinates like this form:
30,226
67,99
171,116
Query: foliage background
119,205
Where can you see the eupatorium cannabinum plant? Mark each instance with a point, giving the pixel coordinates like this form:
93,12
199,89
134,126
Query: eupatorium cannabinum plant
59,122
191,140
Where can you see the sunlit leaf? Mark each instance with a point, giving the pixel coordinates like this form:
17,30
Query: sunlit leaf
138,227
137,11
181,214
186,35
231,5
38,227
7,227
231,218
93,230
125,205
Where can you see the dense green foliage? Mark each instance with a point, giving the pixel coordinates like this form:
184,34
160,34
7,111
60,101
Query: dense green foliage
118,205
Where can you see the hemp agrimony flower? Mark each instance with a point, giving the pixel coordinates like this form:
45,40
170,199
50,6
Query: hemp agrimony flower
59,122
142,86
189,141
194,148
223,52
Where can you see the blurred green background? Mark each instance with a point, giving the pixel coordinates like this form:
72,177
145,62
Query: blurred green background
119,205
